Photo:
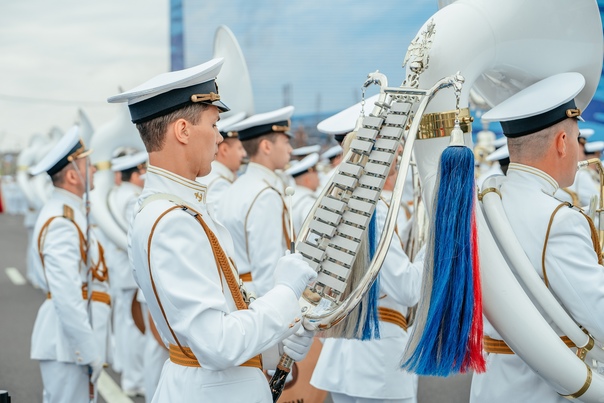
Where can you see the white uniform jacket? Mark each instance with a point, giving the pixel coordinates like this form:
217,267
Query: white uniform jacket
585,186
302,202
122,204
575,278
252,211
62,330
197,302
218,181
371,368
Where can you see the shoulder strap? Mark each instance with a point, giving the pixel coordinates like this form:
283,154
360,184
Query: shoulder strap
69,215
573,195
284,219
594,238
223,263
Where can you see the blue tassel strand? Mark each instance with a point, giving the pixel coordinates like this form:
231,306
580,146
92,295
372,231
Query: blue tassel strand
443,344
371,327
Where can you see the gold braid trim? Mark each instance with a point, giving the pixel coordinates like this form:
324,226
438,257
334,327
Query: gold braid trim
549,227
494,346
594,238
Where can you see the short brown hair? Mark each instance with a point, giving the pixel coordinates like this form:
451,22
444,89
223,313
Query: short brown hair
153,132
251,145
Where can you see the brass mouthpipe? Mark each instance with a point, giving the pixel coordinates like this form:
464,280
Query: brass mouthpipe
600,169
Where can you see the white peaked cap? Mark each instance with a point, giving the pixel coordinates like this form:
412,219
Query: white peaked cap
586,133
499,154
500,142
264,123
332,152
539,106
126,162
225,124
68,148
594,146
301,151
171,91
344,121
303,165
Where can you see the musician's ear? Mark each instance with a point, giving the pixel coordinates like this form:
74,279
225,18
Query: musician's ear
71,176
265,146
180,130
560,142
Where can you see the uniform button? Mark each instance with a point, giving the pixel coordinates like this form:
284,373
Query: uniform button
291,325
297,320
77,353
79,359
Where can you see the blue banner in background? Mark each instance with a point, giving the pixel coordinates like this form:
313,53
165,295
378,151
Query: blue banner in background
177,52
594,114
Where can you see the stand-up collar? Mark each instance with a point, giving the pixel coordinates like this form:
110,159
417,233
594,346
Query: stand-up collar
72,200
544,180
265,174
221,170
162,181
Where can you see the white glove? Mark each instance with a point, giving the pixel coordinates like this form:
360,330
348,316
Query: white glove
96,367
294,272
297,345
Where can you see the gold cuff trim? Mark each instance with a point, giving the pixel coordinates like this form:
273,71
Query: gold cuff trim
212,96
247,277
583,389
488,190
441,124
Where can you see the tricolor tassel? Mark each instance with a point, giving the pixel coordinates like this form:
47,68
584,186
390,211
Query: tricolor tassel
447,337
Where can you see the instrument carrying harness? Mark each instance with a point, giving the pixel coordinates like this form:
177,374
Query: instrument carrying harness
99,271
179,354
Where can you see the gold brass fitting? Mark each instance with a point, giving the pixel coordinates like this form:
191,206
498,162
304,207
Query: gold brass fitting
441,124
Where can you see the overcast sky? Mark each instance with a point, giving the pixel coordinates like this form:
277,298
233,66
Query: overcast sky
61,55
323,50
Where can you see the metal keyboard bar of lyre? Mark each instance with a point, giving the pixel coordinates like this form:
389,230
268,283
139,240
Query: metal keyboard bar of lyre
339,222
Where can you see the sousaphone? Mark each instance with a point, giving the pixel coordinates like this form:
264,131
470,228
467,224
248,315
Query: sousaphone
501,48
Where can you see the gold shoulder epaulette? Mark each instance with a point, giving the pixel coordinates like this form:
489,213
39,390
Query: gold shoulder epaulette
68,212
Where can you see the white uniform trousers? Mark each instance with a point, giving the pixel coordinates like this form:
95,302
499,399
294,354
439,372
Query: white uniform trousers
129,342
65,382
154,358
342,398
